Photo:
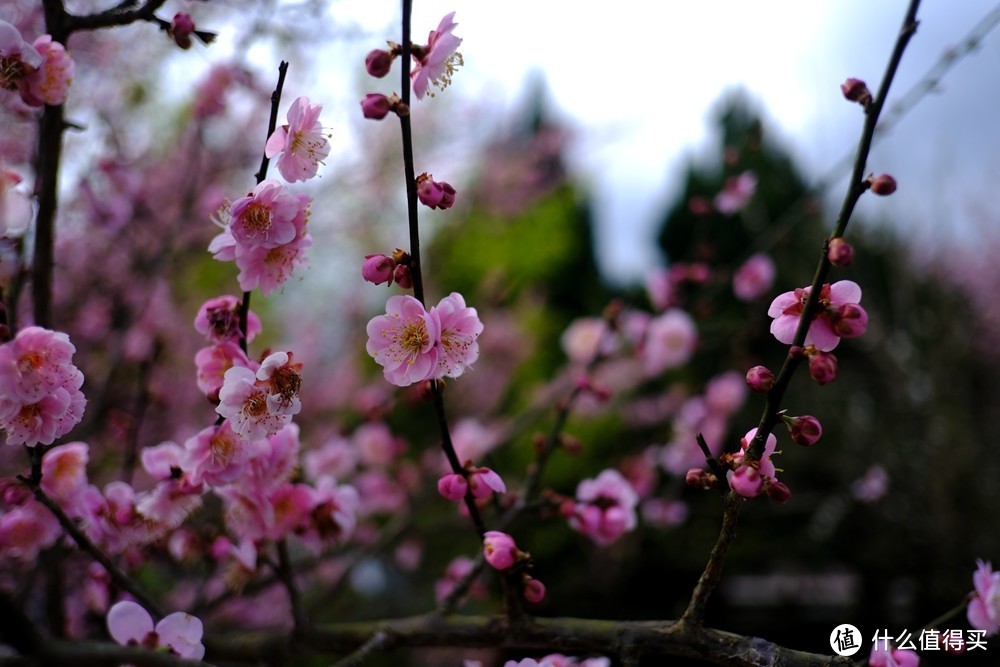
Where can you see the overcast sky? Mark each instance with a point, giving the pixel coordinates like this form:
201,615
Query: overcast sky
636,79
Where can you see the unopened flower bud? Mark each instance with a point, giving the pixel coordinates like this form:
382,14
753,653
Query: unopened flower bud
402,276
840,252
378,269
534,590
180,30
856,90
777,491
452,487
851,321
805,430
434,194
760,379
379,62
883,184
500,550
822,367
375,106
700,479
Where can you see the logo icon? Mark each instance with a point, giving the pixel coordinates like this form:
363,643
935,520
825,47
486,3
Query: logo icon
845,639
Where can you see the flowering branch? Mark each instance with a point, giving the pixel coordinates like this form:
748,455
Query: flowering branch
712,573
117,575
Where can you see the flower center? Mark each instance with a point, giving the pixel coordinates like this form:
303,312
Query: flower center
255,405
12,70
257,219
414,337
222,448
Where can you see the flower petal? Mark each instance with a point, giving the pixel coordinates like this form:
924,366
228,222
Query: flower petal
128,621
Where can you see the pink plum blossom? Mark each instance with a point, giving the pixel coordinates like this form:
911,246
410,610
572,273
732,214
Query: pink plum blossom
437,61
404,341
301,143
42,422
884,655
218,320
215,455
18,59
459,328
983,611
246,404
49,84
838,315
27,529
270,268
333,513
748,479
670,341
64,471
337,457
36,363
269,217
605,507
585,338
280,376
375,444
484,482
212,364
736,192
179,633
754,277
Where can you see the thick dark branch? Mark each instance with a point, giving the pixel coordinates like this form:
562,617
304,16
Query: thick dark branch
119,15
652,639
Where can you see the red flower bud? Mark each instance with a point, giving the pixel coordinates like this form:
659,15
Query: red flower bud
840,252
822,367
375,106
883,184
777,491
805,430
856,90
700,479
378,269
379,62
180,30
760,379
403,277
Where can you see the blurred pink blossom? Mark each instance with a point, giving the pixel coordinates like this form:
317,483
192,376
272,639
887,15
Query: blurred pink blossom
301,143
131,625
605,507
754,277
983,611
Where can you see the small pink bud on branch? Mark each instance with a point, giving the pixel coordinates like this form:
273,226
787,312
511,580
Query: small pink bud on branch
840,252
856,90
805,430
883,184
760,379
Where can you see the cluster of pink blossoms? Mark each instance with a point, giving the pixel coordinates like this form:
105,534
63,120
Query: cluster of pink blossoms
413,344
749,479
41,71
434,63
605,507
501,552
40,397
265,232
262,402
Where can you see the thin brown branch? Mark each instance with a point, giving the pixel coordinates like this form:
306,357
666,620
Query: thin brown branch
855,189
118,576
694,615
120,15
